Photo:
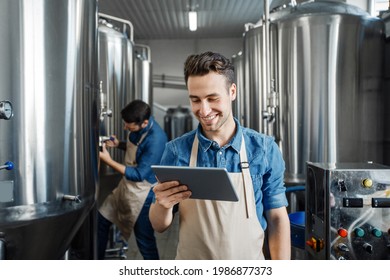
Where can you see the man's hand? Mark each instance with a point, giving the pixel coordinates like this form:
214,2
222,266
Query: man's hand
170,193
104,154
113,142
167,195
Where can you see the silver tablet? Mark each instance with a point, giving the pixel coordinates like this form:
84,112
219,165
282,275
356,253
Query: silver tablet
204,182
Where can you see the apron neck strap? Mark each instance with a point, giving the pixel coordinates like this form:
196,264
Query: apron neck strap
194,152
245,173
247,180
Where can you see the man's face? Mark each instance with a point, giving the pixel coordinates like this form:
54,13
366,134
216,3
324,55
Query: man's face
133,127
211,100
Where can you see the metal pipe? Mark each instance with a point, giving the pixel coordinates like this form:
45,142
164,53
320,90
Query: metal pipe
166,81
248,26
160,107
104,111
131,27
148,51
266,68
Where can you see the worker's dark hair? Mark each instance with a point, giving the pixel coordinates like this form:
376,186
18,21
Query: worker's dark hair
136,111
202,64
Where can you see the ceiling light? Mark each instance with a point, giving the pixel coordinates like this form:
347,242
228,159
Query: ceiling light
193,20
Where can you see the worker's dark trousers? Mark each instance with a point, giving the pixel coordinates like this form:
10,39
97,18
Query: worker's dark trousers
143,232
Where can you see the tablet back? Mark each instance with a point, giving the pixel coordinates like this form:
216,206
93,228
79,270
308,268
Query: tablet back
204,182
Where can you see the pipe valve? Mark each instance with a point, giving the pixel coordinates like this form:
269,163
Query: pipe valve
6,111
104,113
9,165
270,113
74,198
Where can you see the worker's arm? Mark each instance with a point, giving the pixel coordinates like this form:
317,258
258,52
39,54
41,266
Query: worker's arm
168,194
279,240
107,159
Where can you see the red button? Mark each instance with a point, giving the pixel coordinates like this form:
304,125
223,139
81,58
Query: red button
342,232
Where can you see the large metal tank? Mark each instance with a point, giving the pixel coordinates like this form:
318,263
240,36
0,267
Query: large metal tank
48,55
330,69
177,121
116,75
143,88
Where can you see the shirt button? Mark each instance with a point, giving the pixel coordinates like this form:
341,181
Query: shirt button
220,153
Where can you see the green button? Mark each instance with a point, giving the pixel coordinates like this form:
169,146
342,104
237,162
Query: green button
376,232
359,232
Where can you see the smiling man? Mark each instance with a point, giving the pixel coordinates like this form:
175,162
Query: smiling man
217,229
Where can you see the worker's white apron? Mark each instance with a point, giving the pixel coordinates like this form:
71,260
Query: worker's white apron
123,205
221,229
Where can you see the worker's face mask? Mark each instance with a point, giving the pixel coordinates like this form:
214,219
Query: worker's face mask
134,127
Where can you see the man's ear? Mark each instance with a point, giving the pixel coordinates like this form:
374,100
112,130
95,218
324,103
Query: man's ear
233,91
145,123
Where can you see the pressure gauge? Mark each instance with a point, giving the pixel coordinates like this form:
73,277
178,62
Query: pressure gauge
6,110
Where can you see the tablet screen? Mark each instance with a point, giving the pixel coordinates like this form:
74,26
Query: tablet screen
204,182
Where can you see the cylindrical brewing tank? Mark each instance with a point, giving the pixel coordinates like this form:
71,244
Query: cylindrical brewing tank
116,75
330,68
177,121
48,55
253,63
143,74
238,104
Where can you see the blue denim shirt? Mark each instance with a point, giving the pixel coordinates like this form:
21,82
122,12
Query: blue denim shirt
266,164
149,152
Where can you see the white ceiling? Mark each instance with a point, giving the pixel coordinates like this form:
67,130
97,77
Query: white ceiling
168,19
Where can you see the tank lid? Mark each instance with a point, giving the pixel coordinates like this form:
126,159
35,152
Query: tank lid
319,7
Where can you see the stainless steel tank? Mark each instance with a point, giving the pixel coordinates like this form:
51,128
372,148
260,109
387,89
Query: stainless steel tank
48,56
116,75
177,121
329,78
143,88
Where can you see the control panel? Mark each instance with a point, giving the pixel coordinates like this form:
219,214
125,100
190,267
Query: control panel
347,211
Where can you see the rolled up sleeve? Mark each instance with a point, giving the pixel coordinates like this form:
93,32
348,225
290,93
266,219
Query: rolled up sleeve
274,191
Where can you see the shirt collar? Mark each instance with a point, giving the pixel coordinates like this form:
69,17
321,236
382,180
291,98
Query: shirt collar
235,142
146,128
142,131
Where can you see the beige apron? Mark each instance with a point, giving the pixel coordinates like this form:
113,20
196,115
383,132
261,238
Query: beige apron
221,229
124,203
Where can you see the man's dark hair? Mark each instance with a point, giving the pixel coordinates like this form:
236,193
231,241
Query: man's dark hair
136,111
202,64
